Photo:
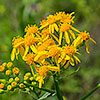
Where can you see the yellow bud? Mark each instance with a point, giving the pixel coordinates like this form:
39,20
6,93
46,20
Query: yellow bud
25,82
14,84
17,79
10,64
33,83
1,90
21,85
25,78
9,87
27,89
4,64
31,88
8,72
1,85
15,70
2,68
28,74
31,78
3,80
10,80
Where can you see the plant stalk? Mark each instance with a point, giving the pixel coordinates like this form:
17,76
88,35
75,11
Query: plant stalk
58,92
91,92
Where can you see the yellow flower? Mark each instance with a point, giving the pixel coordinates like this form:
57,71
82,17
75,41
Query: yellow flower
51,23
30,60
56,53
2,85
17,47
8,72
31,29
2,68
9,87
14,84
66,18
70,52
41,52
68,33
42,73
29,41
83,36
15,70
10,64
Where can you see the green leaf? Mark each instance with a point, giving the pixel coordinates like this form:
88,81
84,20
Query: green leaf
46,95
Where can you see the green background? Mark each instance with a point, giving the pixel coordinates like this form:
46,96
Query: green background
16,14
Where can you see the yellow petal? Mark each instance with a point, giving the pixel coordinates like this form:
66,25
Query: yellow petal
33,49
67,37
26,51
72,34
46,38
13,54
17,53
72,62
50,28
55,37
21,50
56,27
77,58
75,29
77,41
60,37
87,46
32,70
66,65
54,68
18,44
43,26
67,57
40,54
92,40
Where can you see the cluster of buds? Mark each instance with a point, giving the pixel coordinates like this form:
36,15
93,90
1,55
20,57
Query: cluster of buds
10,77
29,82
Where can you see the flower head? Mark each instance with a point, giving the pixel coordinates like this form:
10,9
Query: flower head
14,84
15,70
10,64
9,87
2,85
31,29
2,68
8,72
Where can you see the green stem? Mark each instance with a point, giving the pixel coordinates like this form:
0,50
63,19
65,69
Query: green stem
44,89
58,92
91,92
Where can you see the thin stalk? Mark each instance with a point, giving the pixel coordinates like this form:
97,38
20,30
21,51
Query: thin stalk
44,89
58,92
91,92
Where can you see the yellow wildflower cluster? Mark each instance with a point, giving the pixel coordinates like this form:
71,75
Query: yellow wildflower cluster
50,47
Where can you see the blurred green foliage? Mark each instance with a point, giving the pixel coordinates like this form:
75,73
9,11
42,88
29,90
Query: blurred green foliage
16,14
